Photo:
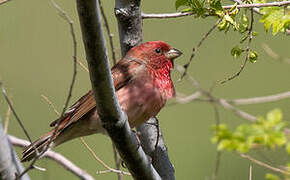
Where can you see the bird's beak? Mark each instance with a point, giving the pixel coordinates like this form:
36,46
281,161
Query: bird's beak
173,53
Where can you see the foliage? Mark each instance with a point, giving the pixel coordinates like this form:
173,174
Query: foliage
263,133
276,17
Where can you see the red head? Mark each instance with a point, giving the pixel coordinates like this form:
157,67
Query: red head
155,54
158,58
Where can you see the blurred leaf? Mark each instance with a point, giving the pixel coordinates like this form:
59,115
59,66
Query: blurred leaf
288,148
253,56
275,17
236,51
244,38
274,116
270,176
267,132
186,10
179,3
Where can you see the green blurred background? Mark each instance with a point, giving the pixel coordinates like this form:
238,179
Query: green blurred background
36,58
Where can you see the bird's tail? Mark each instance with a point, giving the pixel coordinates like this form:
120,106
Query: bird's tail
40,144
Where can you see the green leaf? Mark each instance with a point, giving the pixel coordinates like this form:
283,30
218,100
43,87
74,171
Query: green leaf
236,51
179,3
275,17
253,56
267,132
186,10
288,148
222,25
274,116
244,38
229,19
216,5
270,176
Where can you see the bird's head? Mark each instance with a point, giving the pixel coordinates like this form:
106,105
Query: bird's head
155,54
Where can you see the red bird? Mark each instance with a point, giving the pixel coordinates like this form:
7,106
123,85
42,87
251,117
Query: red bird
143,85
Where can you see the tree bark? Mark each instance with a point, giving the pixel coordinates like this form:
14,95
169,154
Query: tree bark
128,13
113,118
129,16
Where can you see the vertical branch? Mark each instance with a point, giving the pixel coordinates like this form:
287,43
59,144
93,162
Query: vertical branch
154,146
110,35
114,120
117,162
128,14
9,163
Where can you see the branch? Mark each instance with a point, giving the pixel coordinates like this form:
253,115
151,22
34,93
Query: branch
113,118
63,161
9,162
264,164
4,1
195,49
263,99
273,54
250,34
237,111
128,13
129,18
110,35
154,146
257,10
64,15
14,111
181,14
166,15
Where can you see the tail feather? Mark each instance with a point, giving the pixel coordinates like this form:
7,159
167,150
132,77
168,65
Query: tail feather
40,144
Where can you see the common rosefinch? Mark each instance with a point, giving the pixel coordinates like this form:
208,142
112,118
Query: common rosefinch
143,85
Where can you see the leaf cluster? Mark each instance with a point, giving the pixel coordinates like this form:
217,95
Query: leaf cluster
200,8
266,132
276,17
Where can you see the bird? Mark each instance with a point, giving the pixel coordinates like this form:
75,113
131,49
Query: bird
142,84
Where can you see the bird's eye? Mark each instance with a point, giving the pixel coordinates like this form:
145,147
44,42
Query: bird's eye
158,50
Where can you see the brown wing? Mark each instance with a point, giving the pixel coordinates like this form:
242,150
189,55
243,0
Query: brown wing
122,73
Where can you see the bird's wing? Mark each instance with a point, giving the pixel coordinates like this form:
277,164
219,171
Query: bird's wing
122,73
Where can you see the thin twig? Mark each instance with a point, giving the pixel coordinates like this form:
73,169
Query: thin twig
217,165
237,111
83,66
262,99
166,15
102,162
194,50
107,27
67,164
4,1
7,118
189,98
250,173
259,5
181,14
117,162
14,111
250,34
264,164
50,104
274,55
219,153
64,15
257,10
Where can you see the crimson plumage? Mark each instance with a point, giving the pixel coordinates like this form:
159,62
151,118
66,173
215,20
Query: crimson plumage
143,85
